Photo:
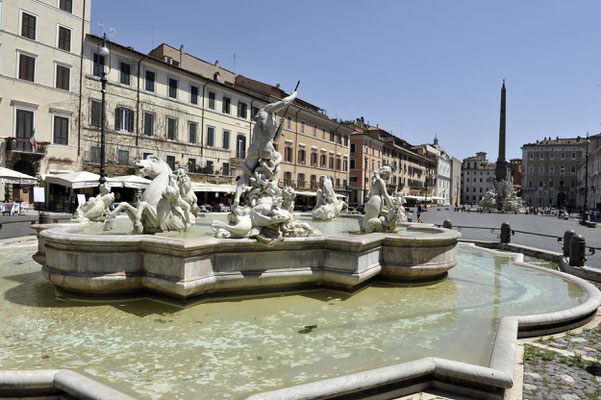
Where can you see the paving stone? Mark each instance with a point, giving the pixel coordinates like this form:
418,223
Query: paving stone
534,375
567,378
569,396
578,340
529,387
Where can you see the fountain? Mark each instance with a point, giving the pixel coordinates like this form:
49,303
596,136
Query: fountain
327,206
290,318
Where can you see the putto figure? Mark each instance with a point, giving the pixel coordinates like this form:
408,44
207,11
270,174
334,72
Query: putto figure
382,212
96,208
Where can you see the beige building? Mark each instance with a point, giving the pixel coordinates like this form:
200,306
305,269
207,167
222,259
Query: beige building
549,171
455,181
590,185
40,60
475,173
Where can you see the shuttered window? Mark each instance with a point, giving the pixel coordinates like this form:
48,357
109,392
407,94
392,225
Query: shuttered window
124,119
26,67
95,114
28,22
63,75
61,130
64,38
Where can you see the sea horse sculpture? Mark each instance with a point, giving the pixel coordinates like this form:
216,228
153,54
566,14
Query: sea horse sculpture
328,206
162,206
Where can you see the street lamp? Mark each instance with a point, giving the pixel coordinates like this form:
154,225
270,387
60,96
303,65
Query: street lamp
104,52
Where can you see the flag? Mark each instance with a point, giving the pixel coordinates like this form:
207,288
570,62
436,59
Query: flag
34,143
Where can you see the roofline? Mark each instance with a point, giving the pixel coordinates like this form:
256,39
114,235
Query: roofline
199,59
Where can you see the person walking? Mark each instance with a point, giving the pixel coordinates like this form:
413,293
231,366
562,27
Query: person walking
419,212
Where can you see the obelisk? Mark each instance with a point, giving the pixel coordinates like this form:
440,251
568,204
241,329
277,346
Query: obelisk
501,169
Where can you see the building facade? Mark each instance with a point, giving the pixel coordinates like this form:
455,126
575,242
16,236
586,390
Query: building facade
442,179
41,54
589,180
549,171
475,174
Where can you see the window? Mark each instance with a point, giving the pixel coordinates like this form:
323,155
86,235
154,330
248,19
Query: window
338,161
150,78
573,155
66,5
323,133
171,162
63,77
64,38
28,23
314,130
191,164
212,100
345,165
209,167
241,147
194,94
289,122
353,163
210,136
352,148
226,169
552,156
314,158
301,155
173,88
99,61
26,67
226,140
148,124
95,154
192,132
331,136
124,119
145,155
563,156
573,169
171,128
242,107
225,105
541,156
254,112
288,153
61,130
122,157
125,73
332,162
287,178
24,126
530,156
301,180
302,129
95,114
346,140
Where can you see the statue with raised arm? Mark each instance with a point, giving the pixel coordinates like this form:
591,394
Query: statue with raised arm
328,206
261,209
265,133
381,211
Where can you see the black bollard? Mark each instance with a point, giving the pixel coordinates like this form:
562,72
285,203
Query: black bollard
567,237
44,218
577,250
505,233
447,224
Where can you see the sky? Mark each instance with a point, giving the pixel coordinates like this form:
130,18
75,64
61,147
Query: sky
418,69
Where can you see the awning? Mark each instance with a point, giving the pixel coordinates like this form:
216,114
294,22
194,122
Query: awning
74,180
8,175
211,187
129,181
314,194
423,198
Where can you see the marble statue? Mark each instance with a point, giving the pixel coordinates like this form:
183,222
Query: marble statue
262,210
165,205
382,212
328,206
96,208
501,196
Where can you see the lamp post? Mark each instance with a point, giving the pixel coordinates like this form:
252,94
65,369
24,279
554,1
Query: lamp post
104,52
585,215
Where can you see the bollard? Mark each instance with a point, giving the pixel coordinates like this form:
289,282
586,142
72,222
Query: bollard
447,224
567,237
505,233
577,250
44,218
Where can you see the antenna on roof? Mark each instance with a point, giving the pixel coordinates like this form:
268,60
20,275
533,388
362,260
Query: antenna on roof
152,40
112,32
234,69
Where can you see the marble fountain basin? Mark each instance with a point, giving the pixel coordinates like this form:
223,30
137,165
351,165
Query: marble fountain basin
80,259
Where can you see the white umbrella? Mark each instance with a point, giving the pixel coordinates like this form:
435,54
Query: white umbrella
75,180
10,176
129,181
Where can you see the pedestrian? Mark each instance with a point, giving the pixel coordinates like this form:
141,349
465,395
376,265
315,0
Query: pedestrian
419,212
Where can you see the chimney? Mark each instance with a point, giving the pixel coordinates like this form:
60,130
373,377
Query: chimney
277,85
181,54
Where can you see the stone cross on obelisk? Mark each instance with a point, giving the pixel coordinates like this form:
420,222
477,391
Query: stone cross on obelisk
501,169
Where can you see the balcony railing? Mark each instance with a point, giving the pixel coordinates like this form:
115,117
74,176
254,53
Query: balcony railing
21,145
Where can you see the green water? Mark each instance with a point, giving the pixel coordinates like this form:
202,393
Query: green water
230,349
346,226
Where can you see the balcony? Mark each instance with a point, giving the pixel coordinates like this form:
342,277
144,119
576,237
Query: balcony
19,145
